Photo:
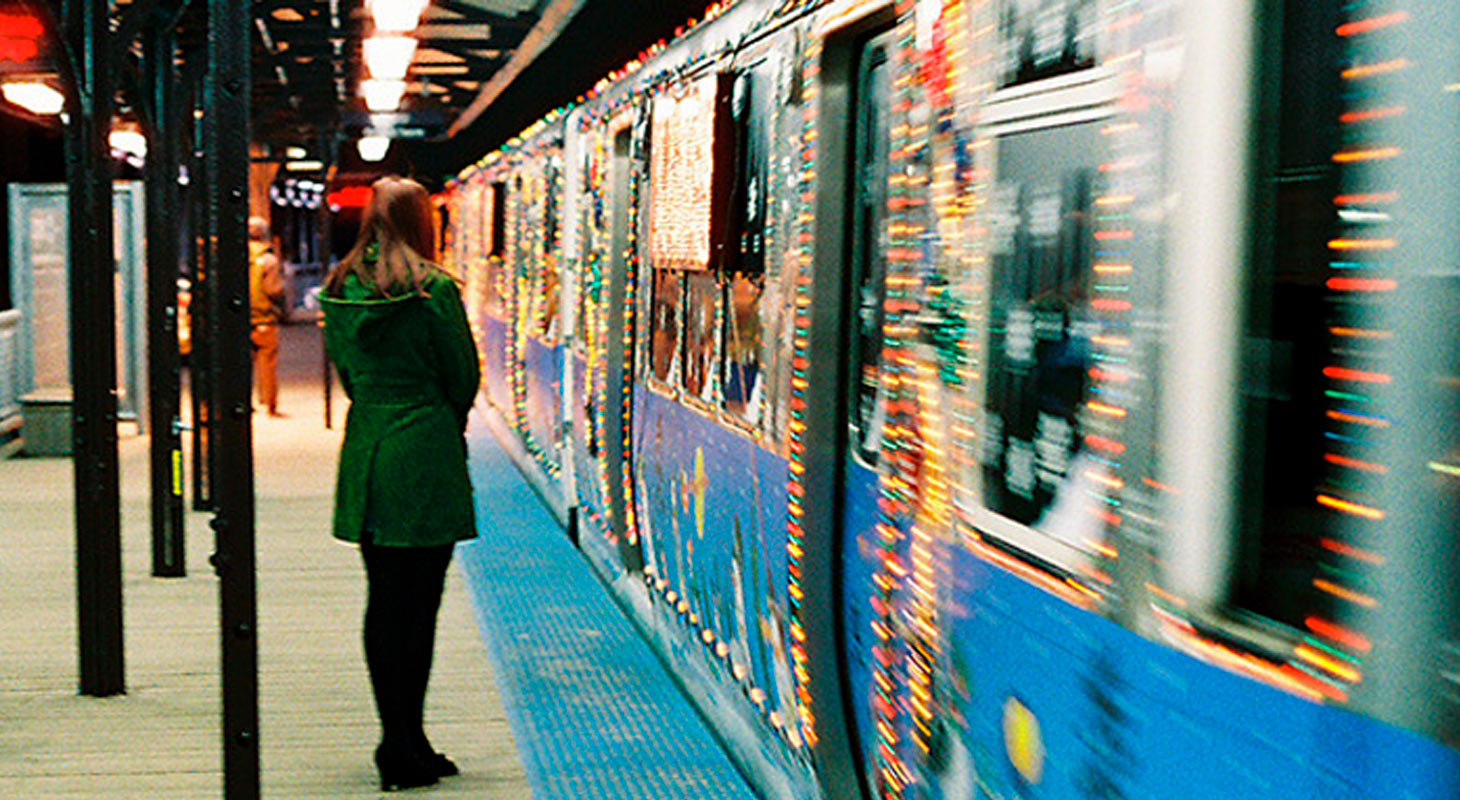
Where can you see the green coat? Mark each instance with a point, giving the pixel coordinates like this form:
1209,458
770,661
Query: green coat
409,366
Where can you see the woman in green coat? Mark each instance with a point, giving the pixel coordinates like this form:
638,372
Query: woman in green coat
397,333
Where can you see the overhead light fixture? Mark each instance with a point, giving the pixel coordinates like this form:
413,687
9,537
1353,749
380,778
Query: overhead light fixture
34,96
388,57
130,142
388,121
373,148
304,166
382,95
295,153
397,16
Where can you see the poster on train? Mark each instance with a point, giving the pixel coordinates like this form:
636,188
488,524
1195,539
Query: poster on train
1040,39
1035,472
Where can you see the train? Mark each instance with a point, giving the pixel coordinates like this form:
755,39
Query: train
1008,398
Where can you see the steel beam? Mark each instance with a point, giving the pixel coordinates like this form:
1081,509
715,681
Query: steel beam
159,43
93,349
200,369
226,148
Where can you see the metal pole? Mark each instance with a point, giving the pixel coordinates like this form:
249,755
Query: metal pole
328,379
200,372
233,492
93,351
164,360
325,236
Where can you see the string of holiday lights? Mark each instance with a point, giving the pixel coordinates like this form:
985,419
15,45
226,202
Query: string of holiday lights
638,95
1361,276
682,176
800,361
596,329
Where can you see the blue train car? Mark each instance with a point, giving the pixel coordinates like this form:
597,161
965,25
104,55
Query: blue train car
1010,398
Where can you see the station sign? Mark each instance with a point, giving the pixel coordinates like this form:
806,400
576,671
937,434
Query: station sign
24,45
400,125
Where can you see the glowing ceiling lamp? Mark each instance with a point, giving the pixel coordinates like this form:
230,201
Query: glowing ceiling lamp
130,142
34,96
381,95
373,148
389,56
397,16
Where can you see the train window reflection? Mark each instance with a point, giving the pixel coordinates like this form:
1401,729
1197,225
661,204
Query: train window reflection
742,347
1035,471
1040,39
664,320
701,344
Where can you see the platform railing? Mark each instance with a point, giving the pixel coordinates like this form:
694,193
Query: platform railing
9,369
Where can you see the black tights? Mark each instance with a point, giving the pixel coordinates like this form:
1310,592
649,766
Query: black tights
405,586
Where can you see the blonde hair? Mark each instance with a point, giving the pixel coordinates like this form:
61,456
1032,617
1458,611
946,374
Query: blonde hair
399,223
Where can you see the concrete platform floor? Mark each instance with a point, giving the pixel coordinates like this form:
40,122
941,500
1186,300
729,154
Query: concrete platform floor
161,739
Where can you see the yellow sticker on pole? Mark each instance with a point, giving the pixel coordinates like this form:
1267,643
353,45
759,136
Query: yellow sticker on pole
177,473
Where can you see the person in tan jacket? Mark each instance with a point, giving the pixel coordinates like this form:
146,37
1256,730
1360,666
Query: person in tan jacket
266,301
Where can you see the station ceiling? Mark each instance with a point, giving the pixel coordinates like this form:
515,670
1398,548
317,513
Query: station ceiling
307,63
483,69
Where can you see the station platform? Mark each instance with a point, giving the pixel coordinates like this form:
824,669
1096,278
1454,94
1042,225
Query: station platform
541,687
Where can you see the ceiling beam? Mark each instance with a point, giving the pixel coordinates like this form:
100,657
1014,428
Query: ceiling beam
465,50
522,23
554,19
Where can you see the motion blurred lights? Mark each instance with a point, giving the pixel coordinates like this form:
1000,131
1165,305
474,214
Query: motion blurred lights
382,95
295,153
396,16
373,148
388,57
34,96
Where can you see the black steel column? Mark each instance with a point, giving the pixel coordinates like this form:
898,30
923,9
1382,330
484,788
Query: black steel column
159,42
200,362
226,148
93,350
325,254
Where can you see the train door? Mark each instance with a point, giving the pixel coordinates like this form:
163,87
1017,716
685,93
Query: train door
616,413
863,395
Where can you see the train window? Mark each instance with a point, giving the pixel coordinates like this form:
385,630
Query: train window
701,339
550,205
548,324
1286,427
664,324
583,305
494,287
740,369
750,110
743,347
869,253
489,204
1040,39
550,287
1036,474
497,219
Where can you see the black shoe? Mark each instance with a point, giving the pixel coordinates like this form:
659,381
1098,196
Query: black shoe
443,766
402,770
